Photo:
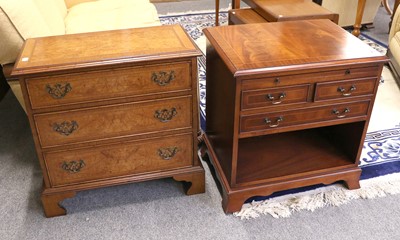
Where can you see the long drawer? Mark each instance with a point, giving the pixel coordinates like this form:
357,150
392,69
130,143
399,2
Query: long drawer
118,160
113,121
107,84
274,120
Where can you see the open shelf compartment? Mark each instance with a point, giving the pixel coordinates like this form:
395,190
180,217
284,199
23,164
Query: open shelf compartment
295,154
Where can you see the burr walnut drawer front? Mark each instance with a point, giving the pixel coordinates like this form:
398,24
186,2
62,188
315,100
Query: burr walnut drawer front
344,89
304,78
274,96
118,160
274,120
113,121
108,84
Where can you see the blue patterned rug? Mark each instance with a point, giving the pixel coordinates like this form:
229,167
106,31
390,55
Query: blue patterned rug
380,155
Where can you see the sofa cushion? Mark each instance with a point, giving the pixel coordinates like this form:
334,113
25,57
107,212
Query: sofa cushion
105,15
26,18
20,20
394,46
11,41
347,10
53,13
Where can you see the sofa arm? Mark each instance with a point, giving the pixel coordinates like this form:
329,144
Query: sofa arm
395,27
71,3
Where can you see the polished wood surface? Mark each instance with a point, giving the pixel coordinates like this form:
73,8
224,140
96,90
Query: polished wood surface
105,112
289,10
272,46
292,114
103,48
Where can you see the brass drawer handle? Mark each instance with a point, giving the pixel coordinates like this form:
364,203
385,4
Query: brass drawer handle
276,101
66,127
270,124
348,93
73,166
337,112
167,153
165,115
163,78
59,90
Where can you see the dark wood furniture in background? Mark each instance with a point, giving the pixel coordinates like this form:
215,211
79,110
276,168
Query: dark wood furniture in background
283,113
112,107
3,84
279,11
272,10
290,10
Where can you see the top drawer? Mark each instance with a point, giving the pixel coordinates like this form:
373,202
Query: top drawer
304,78
344,89
114,83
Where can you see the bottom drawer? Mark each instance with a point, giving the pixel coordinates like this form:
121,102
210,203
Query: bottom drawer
102,162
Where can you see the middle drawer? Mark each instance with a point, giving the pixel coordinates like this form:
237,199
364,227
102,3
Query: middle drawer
113,121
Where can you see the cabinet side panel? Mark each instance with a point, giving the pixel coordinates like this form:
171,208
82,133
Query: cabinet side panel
220,106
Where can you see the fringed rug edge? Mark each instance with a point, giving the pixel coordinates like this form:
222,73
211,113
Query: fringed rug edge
333,195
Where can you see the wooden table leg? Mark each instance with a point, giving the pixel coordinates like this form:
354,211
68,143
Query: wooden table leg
359,16
385,3
51,203
235,4
216,12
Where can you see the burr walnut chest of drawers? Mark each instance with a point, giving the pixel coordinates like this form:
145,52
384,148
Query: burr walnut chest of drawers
111,108
288,105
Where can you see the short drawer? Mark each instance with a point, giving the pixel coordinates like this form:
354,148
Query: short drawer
113,121
313,77
118,160
303,116
274,96
344,89
108,84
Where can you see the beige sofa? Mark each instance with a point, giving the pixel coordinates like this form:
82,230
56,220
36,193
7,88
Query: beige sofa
394,46
23,19
347,10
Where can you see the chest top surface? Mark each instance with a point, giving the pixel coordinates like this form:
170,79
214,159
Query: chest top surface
292,44
102,48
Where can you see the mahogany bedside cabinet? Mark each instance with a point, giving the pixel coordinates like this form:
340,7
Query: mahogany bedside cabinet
112,107
287,105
